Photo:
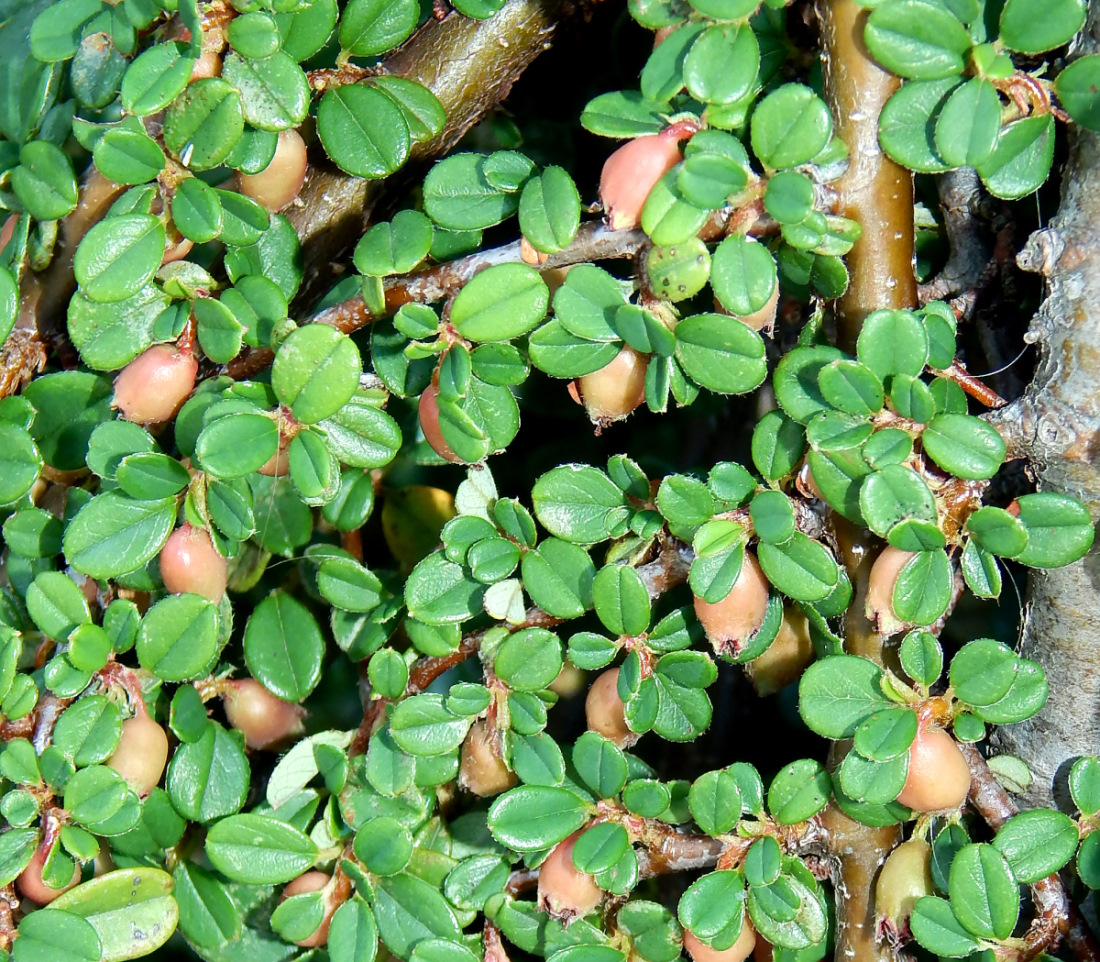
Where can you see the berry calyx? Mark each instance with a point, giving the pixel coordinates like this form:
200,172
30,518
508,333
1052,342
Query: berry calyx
189,562
564,891
154,385
265,719
482,771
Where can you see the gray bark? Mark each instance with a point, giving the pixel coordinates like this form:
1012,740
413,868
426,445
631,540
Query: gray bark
1055,425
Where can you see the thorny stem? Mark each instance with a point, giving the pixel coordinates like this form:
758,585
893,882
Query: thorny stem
1055,916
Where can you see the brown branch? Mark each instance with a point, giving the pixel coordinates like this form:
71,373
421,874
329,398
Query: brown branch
666,571
874,191
470,65
1055,916
961,199
594,241
976,389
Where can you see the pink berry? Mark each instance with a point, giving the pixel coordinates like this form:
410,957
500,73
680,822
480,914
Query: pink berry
564,890
265,719
141,754
278,184
154,385
939,778
633,170
190,563
31,885
312,881
604,710
428,411
731,622
616,389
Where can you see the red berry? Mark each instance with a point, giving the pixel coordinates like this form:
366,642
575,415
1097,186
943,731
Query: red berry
939,777
565,891
153,386
880,590
141,754
312,881
633,170
616,389
31,885
189,562
482,770
731,622
905,877
605,712
741,949
279,183
429,424
265,719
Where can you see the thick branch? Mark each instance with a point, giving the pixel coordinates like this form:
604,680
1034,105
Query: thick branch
1057,424
875,191
470,65
879,194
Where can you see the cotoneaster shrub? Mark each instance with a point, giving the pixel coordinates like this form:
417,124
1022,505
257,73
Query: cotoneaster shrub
294,609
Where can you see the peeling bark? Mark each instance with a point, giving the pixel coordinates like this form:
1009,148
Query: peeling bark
1056,424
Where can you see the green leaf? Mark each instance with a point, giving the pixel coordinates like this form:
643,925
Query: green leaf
408,910
396,246
886,734
984,896
892,495
208,778
1059,530
119,256
534,817
58,936
998,532
128,156
713,906
529,659
573,502
907,124
371,27
1021,161
1084,785
919,39
316,372
799,791
1076,88
439,591
964,446
204,123
155,78
458,196
623,113
423,725
362,130
178,638
55,34
969,123
501,302
801,568
1037,843
236,445
131,910
423,113
722,64
1030,27
283,646
720,353
558,577
113,534
893,342
936,928
838,693
258,849
550,210
44,181
790,127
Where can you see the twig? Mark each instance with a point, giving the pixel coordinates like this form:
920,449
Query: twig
594,241
968,239
976,389
1055,916
666,571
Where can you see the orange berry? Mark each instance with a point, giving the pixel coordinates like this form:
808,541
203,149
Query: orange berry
605,712
939,777
154,385
565,891
265,719
280,181
141,754
731,622
880,590
189,562
616,389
